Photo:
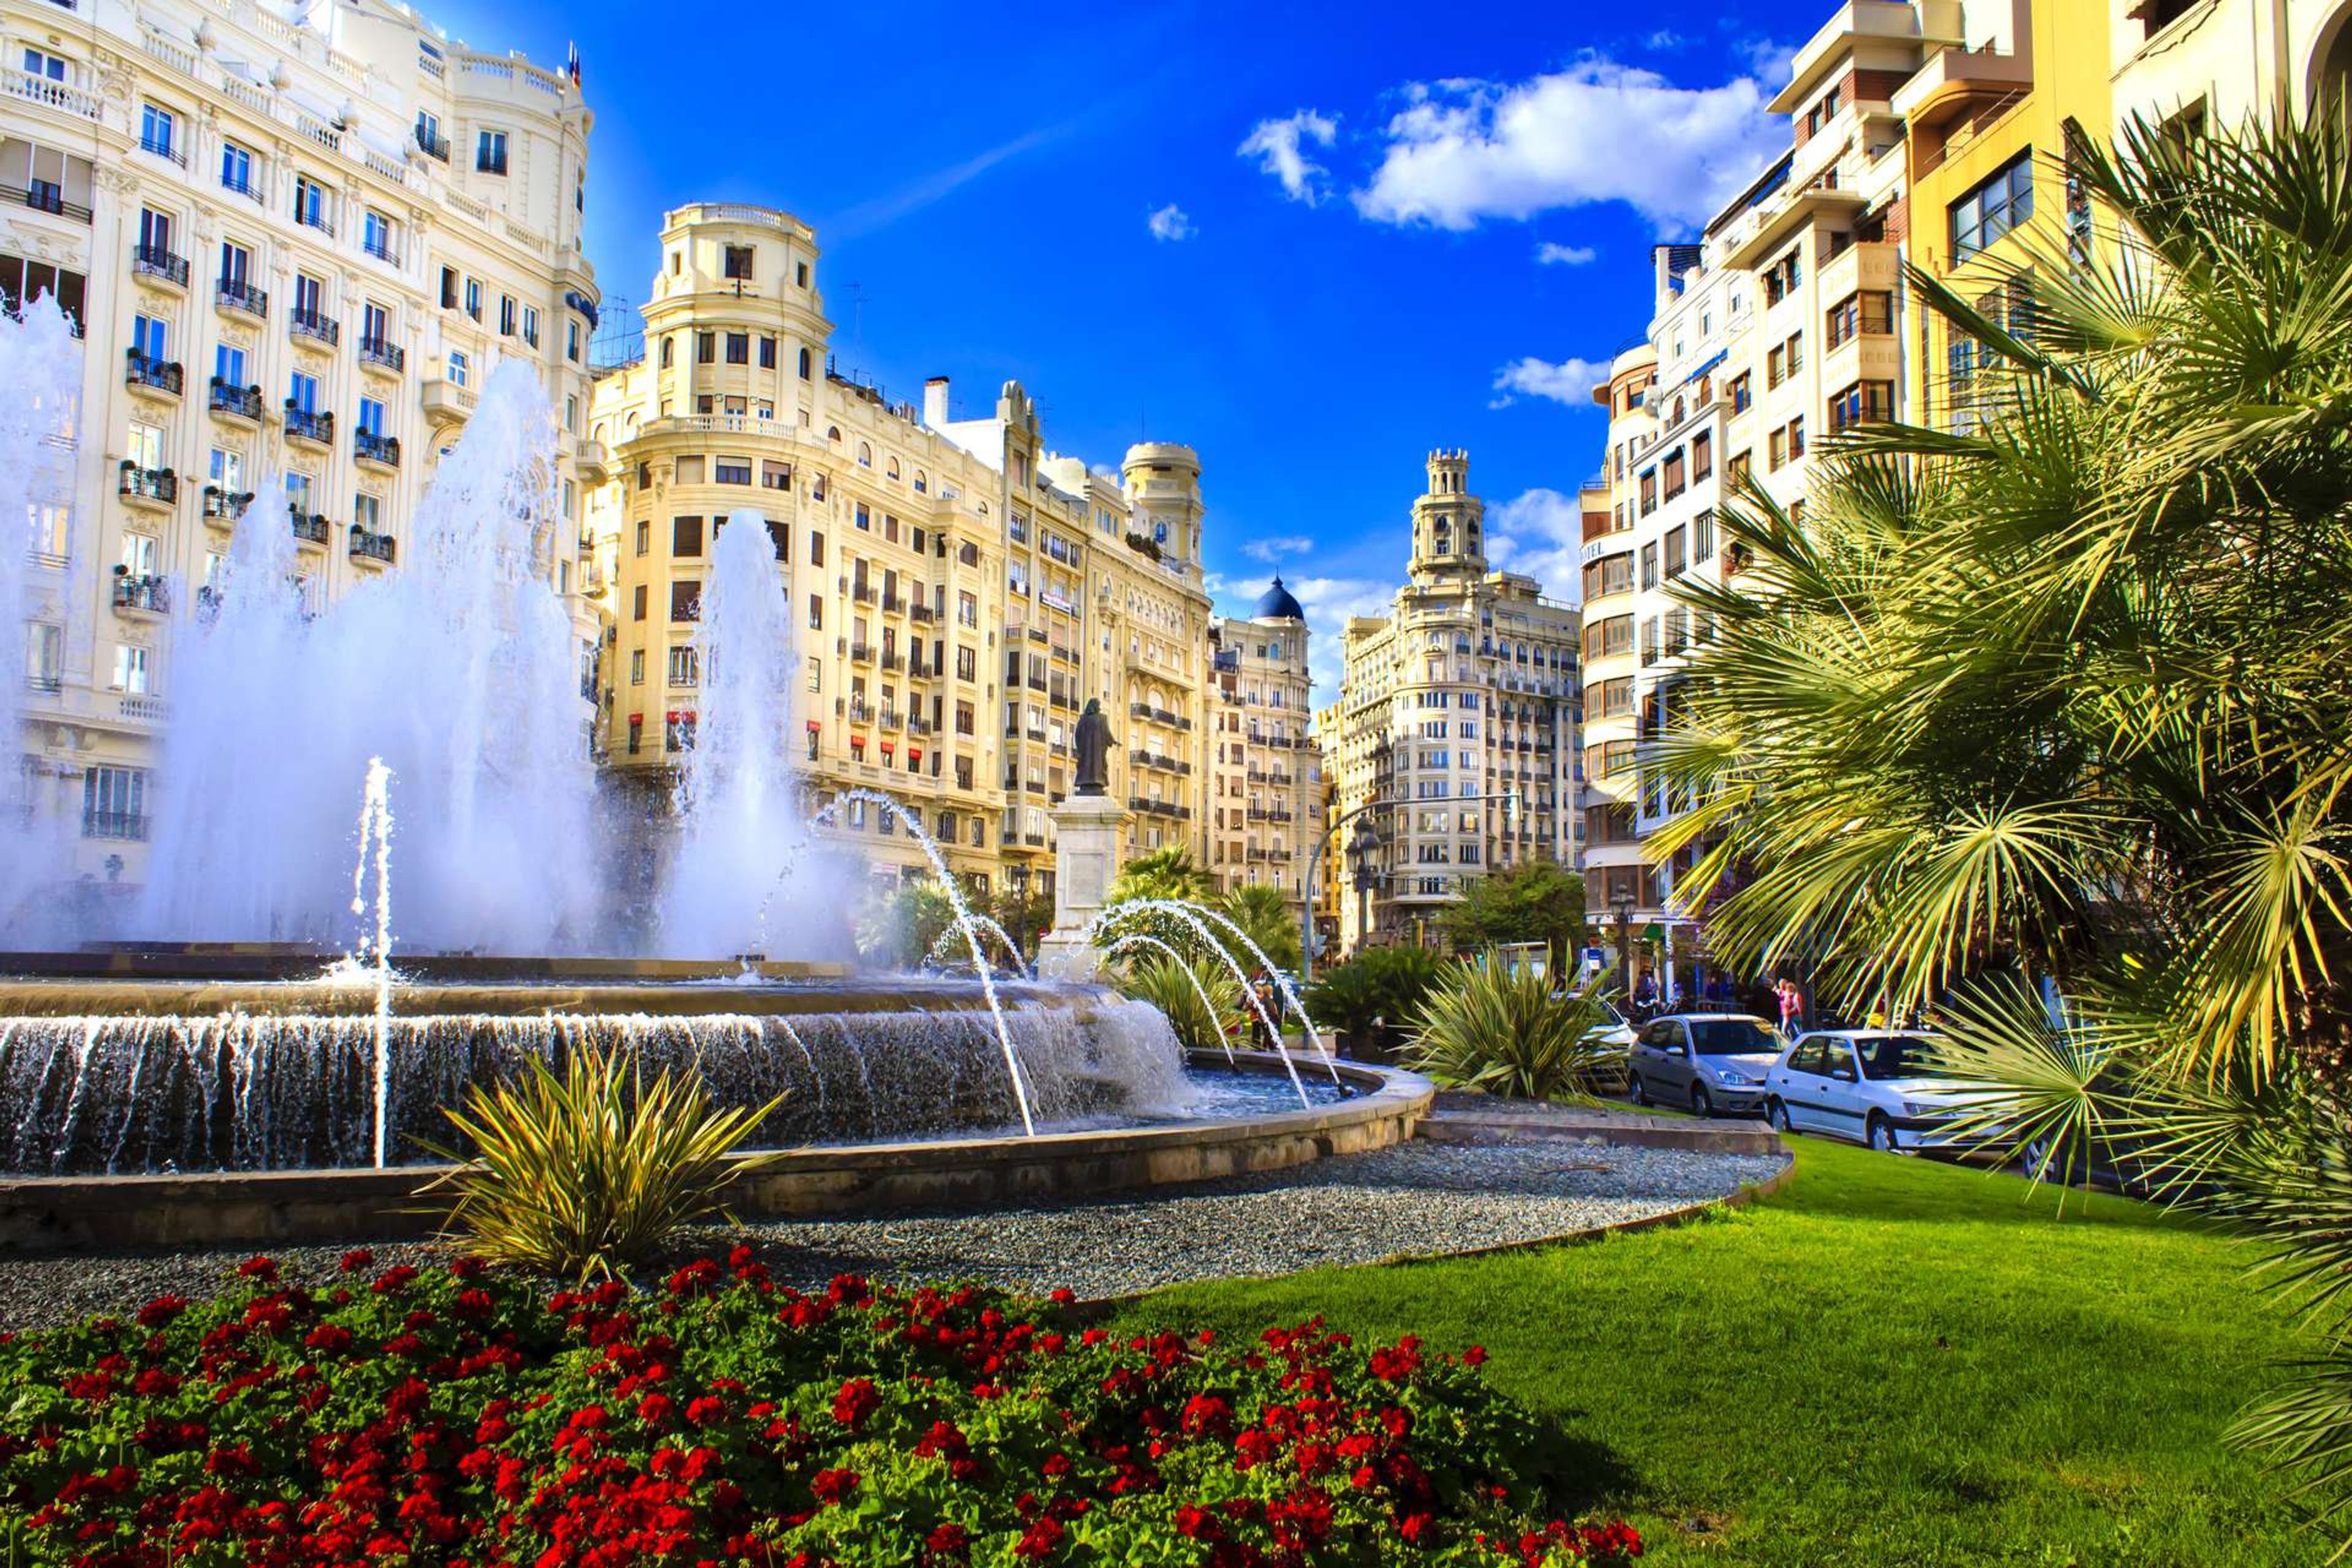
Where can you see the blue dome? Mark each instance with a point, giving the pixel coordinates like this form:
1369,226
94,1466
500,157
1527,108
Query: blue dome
1277,604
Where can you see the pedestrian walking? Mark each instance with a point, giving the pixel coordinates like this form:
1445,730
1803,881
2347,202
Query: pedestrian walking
1792,1006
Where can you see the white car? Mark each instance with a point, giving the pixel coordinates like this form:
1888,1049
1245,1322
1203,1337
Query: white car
1878,1086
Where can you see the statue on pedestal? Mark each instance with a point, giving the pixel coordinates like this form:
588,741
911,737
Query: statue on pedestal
1094,743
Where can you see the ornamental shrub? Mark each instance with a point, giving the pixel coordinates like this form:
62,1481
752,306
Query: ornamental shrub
461,1415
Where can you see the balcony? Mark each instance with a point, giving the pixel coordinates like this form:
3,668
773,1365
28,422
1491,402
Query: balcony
1954,81
375,354
309,425
432,146
892,604
366,546
159,266
155,488
861,653
369,447
160,377
225,506
324,330
592,461
381,249
315,220
236,294
45,197
130,824
161,147
237,402
920,613
448,402
310,527
146,595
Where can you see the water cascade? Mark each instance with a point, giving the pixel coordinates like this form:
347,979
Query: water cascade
1189,915
1184,966
739,828
460,669
260,1092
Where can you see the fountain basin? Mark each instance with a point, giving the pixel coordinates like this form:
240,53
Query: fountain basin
1384,1107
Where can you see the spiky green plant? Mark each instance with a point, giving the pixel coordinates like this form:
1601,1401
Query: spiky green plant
592,1171
1499,1028
1176,989
1379,984
1162,874
2054,700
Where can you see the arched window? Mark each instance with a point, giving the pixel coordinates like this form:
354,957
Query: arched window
805,365
669,351
922,485
889,468
832,434
865,456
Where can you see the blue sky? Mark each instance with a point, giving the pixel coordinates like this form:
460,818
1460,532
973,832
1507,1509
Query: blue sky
1314,243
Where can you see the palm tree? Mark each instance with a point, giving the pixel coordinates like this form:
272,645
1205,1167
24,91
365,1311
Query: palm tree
1162,874
1267,917
2044,718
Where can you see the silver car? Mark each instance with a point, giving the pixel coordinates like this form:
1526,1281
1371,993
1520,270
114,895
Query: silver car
1879,1087
1709,1062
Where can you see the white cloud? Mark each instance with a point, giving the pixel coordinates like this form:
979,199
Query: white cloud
1767,61
1571,381
1664,39
1460,152
1280,148
1550,255
1171,222
1329,602
1540,534
1272,550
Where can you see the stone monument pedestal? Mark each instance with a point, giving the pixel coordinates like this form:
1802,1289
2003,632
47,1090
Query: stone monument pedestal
1086,830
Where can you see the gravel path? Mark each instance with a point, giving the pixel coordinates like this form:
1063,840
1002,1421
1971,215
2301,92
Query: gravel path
1416,1199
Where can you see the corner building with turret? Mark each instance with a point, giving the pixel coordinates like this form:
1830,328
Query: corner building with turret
960,589
1454,734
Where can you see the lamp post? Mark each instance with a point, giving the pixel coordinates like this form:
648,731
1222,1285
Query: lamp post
1363,845
1625,945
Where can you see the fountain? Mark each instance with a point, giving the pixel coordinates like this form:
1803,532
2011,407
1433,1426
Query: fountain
737,795
460,669
40,364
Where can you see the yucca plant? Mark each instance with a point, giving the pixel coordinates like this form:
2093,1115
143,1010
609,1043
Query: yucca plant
592,1171
1379,984
1499,1028
1177,988
2043,719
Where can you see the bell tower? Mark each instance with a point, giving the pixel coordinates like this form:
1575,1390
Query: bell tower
1449,523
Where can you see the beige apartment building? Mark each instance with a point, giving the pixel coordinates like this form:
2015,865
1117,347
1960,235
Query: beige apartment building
1921,131
1265,788
960,590
1455,730
293,246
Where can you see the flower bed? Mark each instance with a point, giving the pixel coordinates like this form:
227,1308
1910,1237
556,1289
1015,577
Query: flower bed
462,1417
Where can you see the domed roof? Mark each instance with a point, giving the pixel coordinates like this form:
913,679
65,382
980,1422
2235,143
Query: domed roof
1277,604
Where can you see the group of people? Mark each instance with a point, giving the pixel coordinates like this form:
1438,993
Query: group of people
1783,999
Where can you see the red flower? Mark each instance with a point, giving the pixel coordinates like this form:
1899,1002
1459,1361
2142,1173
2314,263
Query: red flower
1418,1529
948,1540
830,1487
258,1268
856,1401
396,1278
1040,1539
706,1411
161,1311
357,1258
1475,1356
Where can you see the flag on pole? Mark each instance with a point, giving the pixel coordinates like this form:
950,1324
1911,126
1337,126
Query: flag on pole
571,62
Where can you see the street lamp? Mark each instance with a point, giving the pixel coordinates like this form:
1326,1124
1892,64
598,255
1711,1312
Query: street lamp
1625,946
1509,798
1363,845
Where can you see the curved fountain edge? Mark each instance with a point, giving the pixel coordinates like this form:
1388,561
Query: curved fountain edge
229,1208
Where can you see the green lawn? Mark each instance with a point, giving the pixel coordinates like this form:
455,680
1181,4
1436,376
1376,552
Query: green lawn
1890,1362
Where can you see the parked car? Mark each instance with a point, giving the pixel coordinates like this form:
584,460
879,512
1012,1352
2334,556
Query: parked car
1878,1086
1709,1062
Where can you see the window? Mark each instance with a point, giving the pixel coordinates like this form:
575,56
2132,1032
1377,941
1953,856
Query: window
371,416
685,600
367,514
767,354
1605,638
1649,566
1869,312
312,203
706,348
490,152
148,339
1740,396
131,666
774,476
685,667
1864,401
732,471
1702,536
302,393
686,536
738,348
157,126
114,800
1676,543
805,365
1996,205
738,262
507,314
816,613
236,171
458,367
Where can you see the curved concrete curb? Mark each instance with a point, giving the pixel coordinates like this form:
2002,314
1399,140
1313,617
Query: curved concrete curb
110,1213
